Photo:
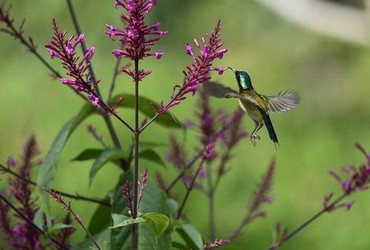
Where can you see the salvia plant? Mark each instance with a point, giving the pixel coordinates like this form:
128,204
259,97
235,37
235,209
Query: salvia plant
142,211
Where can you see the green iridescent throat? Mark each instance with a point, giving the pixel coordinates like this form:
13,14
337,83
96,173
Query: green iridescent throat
245,83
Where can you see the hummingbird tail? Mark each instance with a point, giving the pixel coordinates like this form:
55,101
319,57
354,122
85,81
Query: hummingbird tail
270,128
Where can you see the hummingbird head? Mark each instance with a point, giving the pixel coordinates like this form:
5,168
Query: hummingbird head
243,78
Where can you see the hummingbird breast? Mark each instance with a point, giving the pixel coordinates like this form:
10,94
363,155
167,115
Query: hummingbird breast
252,110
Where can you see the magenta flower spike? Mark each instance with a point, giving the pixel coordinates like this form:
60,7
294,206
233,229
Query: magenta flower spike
209,49
136,37
78,74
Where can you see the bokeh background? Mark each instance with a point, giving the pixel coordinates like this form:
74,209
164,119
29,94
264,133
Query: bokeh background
332,74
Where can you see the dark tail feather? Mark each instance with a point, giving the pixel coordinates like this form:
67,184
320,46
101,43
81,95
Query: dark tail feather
270,128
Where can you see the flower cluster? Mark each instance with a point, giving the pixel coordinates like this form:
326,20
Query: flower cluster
219,133
128,192
215,244
77,69
358,178
136,37
210,48
24,234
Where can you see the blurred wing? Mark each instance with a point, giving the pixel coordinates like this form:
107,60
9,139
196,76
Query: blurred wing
218,90
284,101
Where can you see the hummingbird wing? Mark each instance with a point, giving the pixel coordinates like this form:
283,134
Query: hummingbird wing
284,101
218,90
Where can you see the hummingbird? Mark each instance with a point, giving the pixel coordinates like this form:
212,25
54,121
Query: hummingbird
257,106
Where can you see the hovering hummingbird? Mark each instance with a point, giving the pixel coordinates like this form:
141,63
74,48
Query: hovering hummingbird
255,105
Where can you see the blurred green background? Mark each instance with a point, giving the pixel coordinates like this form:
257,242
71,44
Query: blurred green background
332,76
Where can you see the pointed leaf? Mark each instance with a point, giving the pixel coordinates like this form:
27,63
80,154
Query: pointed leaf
106,156
157,222
56,227
102,239
88,154
100,219
120,220
178,245
154,200
147,107
191,236
151,155
49,166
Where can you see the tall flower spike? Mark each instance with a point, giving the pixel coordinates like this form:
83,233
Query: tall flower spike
198,71
22,235
136,37
64,49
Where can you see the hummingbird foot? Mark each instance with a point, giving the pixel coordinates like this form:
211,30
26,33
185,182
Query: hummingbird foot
254,138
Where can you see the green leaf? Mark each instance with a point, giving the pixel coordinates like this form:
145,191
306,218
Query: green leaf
151,155
157,222
100,219
173,206
105,156
149,145
49,166
57,227
147,107
120,220
190,235
178,245
88,154
154,200
102,239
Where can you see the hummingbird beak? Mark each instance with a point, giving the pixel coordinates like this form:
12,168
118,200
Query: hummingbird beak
233,70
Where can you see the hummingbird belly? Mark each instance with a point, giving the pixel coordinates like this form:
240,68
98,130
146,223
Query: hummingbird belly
252,110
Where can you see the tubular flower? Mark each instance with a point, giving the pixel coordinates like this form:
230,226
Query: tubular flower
136,37
209,49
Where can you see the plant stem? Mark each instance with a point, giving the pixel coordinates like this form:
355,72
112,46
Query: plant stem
108,122
30,222
76,197
113,82
189,189
240,228
79,221
134,232
180,175
308,222
157,114
211,201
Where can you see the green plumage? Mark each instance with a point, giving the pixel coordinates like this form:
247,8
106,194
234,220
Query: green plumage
257,106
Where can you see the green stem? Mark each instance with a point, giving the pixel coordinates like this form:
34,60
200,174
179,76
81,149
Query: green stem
310,220
211,202
135,230
189,189
108,122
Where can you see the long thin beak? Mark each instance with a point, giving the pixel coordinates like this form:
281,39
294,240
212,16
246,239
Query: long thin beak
231,69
